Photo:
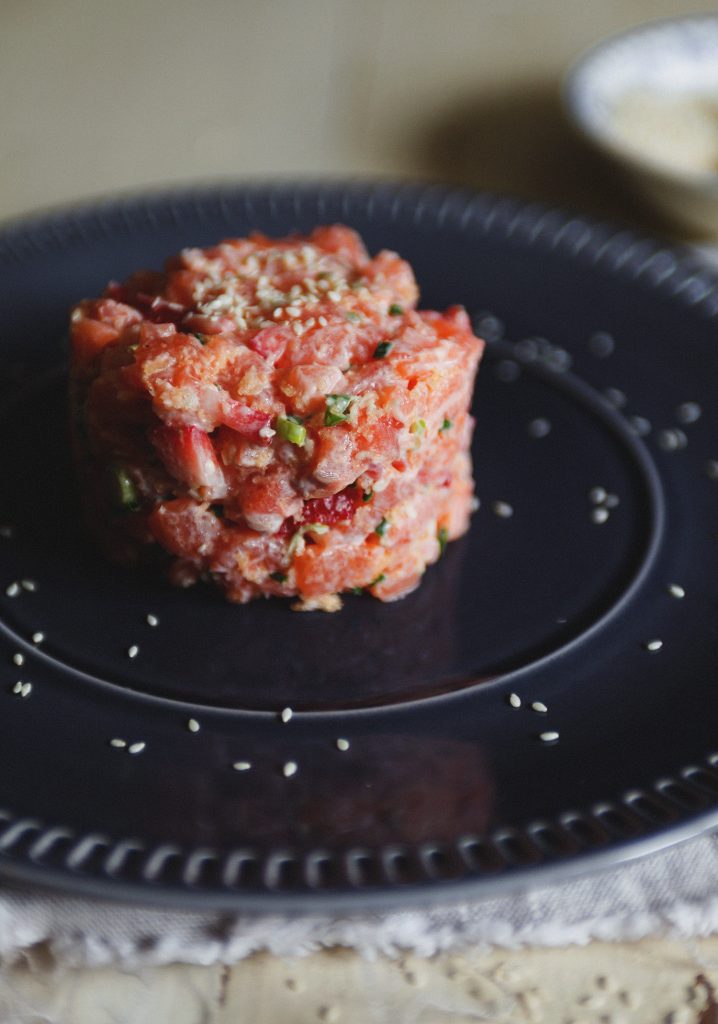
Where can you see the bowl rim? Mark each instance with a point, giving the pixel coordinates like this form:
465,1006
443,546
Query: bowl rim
581,67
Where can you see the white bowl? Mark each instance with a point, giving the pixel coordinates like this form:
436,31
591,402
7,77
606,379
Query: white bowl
648,99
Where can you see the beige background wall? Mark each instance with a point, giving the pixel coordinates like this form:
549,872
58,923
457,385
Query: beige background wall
101,95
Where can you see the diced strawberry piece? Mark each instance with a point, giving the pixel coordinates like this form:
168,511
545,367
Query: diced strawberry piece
336,508
243,419
188,456
270,343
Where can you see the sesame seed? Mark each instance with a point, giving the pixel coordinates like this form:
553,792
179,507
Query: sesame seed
267,432
278,313
17,688
18,659
342,744
334,296
29,585
548,737
653,645
599,515
37,638
193,725
133,651
601,344
502,509
290,768
12,590
539,428
538,705
136,748
152,620
6,531
26,689
612,501
242,766
597,495
293,311
322,321
688,412
514,700
676,590
711,469
672,440
286,715
118,743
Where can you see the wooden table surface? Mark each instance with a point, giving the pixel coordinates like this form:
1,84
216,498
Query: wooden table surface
101,97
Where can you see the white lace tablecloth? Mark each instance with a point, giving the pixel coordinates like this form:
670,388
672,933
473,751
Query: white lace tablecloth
674,892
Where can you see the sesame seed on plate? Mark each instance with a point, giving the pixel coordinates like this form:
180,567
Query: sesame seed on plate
539,427
26,689
597,495
612,501
640,425
342,744
538,705
29,585
615,397
653,645
242,766
514,700
601,344
120,744
688,412
18,659
193,725
599,515
676,590
711,469
133,651
290,768
136,748
286,714
6,531
12,589
548,737
152,620
502,509
37,638
17,688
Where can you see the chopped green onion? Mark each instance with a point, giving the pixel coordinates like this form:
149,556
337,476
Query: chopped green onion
382,349
124,492
380,579
201,338
280,577
305,528
292,429
446,425
367,495
418,427
382,527
337,409
357,590
351,315
443,538
396,310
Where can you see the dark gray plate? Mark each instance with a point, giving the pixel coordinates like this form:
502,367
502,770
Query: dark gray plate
445,789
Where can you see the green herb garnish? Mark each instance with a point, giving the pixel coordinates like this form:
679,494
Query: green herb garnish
357,590
382,349
396,310
279,577
443,538
351,315
380,579
201,338
123,491
292,429
418,427
305,528
367,495
382,527
446,425
337,409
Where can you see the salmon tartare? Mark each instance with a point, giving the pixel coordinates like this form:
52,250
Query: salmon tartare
276,416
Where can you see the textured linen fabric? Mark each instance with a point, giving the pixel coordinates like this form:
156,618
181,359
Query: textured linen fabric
674,892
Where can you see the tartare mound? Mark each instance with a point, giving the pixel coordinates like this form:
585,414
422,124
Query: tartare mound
277,416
